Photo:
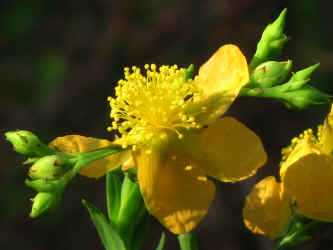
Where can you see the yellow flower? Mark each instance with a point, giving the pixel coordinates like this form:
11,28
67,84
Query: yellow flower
176,137
307,173
306,180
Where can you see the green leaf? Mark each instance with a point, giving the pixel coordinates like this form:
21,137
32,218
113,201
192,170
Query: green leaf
110,239
161,243
113,192
140,232
132,209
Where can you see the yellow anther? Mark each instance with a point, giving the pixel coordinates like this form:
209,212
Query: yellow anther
188,168
148,104
153,67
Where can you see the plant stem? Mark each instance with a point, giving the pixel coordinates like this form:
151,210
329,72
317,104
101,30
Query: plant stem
188,241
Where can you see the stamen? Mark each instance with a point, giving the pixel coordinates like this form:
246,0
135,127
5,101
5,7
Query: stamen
152,103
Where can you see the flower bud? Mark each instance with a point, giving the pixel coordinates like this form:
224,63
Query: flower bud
189,73
27,143
305,97
270,73
48,168
271,42
132,208
43,202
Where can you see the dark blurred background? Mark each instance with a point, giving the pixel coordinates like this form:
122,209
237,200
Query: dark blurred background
60,60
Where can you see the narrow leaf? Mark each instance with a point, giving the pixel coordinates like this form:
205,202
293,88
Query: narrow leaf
161,243
140,232
110,239
113,191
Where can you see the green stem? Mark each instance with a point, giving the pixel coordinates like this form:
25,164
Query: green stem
188,241
85,158
273,92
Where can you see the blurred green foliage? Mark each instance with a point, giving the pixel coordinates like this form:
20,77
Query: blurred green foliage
60,60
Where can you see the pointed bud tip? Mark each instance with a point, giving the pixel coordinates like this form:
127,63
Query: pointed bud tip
189,72
282,18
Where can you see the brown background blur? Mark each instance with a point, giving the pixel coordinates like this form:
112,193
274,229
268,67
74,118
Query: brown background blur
60,60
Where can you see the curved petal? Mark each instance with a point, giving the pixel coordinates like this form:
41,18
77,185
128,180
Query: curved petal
266,210
229,151
220,79
78,143
303,148
326,137
174,189
309,182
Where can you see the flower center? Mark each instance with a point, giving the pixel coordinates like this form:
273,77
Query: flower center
152,104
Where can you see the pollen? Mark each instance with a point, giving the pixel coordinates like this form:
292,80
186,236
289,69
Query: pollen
152,104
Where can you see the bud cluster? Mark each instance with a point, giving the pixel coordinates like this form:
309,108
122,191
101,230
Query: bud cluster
268,77
49,173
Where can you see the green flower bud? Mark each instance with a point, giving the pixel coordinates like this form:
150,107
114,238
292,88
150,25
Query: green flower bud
189,73
43,202
270,73
271,42
305,97
26,143
48,167
45,185
132,209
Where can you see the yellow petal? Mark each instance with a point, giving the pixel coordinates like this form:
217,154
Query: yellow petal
309,181
229,151
128,164
303,148
220,79
327,133
174,189
266,210
78,143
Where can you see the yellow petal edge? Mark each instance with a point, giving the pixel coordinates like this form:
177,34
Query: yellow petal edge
221,78
228,151
174,189
78,143
309,182
266,209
